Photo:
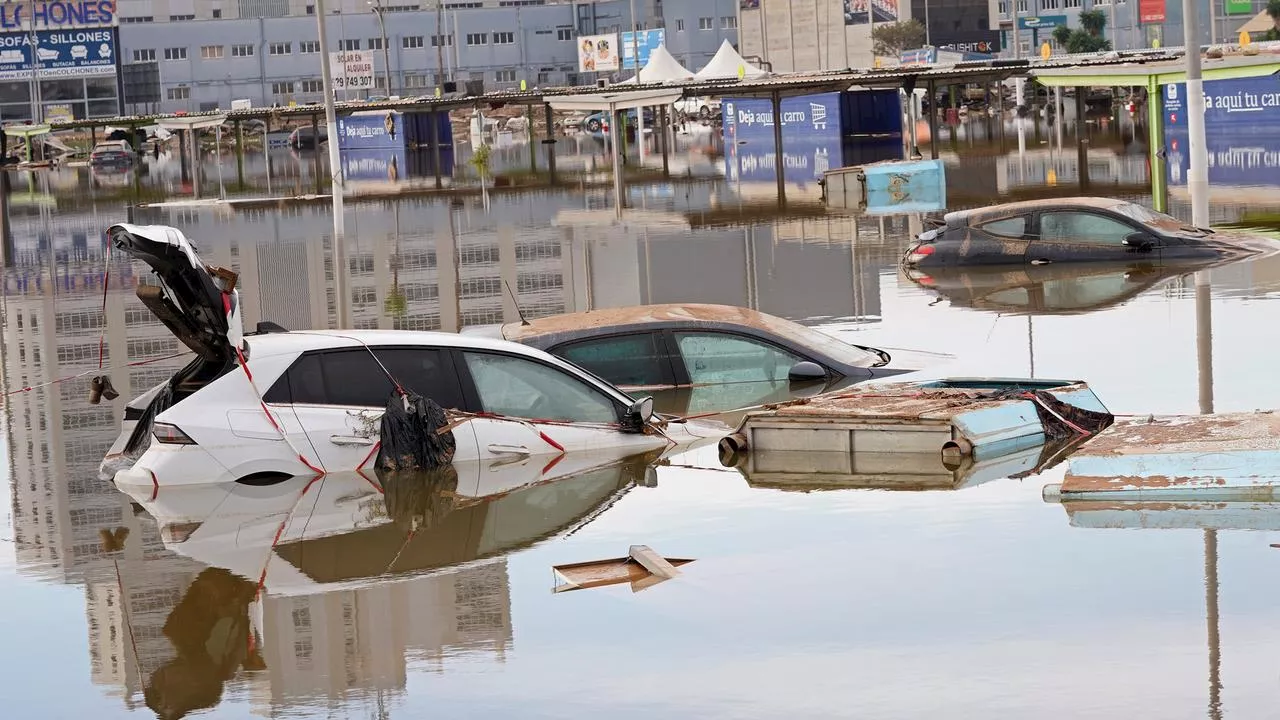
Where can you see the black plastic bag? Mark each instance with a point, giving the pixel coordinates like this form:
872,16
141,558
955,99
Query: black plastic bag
411,435
420,499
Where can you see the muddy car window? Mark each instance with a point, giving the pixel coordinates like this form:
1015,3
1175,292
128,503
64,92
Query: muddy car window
722,358
1084,228
623,359
523,388
1015,227
354,378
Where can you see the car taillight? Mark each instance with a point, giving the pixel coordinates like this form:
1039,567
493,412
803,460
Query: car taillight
918,253
170,435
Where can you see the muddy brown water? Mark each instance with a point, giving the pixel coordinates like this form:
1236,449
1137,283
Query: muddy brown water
977,602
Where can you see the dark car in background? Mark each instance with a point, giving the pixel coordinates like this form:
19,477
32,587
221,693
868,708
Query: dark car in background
1082,229
304,138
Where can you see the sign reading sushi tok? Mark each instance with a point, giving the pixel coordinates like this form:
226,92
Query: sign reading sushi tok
82,52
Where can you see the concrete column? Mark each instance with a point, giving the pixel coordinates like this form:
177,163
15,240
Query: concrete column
614,118
435,147
777,147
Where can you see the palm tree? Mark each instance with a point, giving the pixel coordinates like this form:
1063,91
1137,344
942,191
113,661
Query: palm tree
1273,9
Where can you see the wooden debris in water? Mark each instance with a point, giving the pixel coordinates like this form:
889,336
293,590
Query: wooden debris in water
643,568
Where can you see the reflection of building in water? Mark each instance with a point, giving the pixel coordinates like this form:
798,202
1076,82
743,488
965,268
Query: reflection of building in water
347,643
1039,168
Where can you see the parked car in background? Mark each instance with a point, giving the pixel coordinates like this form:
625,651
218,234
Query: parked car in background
698,107
112,153
304,138
1082,229
599,122
729,357
326,390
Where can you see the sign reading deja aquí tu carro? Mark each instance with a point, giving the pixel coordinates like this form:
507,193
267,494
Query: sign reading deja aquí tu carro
21,14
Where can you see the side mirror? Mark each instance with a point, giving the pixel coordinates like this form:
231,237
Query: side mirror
805,371
637,416
1139,241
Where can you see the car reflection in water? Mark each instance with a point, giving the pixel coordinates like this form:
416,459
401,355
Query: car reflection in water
352,533
1048,289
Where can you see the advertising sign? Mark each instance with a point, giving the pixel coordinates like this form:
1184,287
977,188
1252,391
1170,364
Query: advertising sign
19,14
1239,7
1236,158
1152,11
1241,104
751,120
646,41
351,69
58,53
1042,21
58,114
371,131
388,163
598,53
858,12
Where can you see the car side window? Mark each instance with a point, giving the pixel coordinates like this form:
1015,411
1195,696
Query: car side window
713,357
1083,228
354,378
519,387
1014,227
621,359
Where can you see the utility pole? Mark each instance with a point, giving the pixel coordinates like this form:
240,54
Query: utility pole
35,75
1017,31
1198,175
1115,29
635,42
440,38
386,53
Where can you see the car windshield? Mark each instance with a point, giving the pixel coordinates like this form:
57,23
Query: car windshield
820,342
1154,219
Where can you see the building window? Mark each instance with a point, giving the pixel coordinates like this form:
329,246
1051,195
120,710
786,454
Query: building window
410,42
137,19
286,48
241,51
477,38
1071,4
178,53
705,23
544,78
281,88
1004,8
1023,6
679,24
312,86
308,47
415,81
144,55
564,34
179,93
504,38
211,52
729,23
1049,4
217,13
181,18
436,40
375,43
349,45
311,9
506,76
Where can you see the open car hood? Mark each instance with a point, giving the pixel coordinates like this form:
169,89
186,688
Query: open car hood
198,304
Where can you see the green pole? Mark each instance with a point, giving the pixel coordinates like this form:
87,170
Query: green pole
1155,133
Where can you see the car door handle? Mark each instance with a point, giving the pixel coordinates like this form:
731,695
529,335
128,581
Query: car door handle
350,440
498,449
1041,261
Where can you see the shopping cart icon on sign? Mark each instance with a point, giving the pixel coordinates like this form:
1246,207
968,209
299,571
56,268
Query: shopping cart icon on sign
818,113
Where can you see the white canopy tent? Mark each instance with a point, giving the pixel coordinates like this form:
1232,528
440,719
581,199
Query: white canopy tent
729,65
661,68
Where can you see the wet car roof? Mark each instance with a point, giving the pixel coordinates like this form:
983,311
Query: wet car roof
967,217
675,313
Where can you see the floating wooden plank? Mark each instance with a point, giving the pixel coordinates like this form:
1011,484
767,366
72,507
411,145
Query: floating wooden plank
613,571
652,561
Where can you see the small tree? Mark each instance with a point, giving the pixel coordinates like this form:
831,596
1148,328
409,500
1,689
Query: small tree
1273,9
892,38
1093,21
1088,38
1062,34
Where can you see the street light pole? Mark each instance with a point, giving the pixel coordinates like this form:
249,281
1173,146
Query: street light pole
331,123
635,41
1198,175
386,52
440,38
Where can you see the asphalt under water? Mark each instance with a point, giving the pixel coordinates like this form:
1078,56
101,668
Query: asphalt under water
978,602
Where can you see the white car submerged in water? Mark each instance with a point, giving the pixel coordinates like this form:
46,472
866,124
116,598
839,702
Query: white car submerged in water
263,407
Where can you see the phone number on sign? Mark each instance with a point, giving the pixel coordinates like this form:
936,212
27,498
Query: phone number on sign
353,83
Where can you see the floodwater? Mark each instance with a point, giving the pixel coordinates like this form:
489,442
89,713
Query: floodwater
976,603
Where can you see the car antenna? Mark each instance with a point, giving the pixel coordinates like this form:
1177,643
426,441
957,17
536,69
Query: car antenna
515,302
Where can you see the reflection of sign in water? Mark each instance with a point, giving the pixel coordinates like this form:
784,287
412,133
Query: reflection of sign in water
597,53
1235,158
61,53
645,42
387,164
803,161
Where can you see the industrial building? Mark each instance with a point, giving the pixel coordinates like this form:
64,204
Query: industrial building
193,55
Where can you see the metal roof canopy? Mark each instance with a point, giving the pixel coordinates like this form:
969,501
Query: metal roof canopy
1162,73
941,76
191,122
625,100
26,131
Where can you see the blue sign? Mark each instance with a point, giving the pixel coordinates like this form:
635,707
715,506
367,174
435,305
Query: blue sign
646,41
1041,22
804,160
815,117
58,14
1236,158
368,131
1252,103
388,164
920,56
83,52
